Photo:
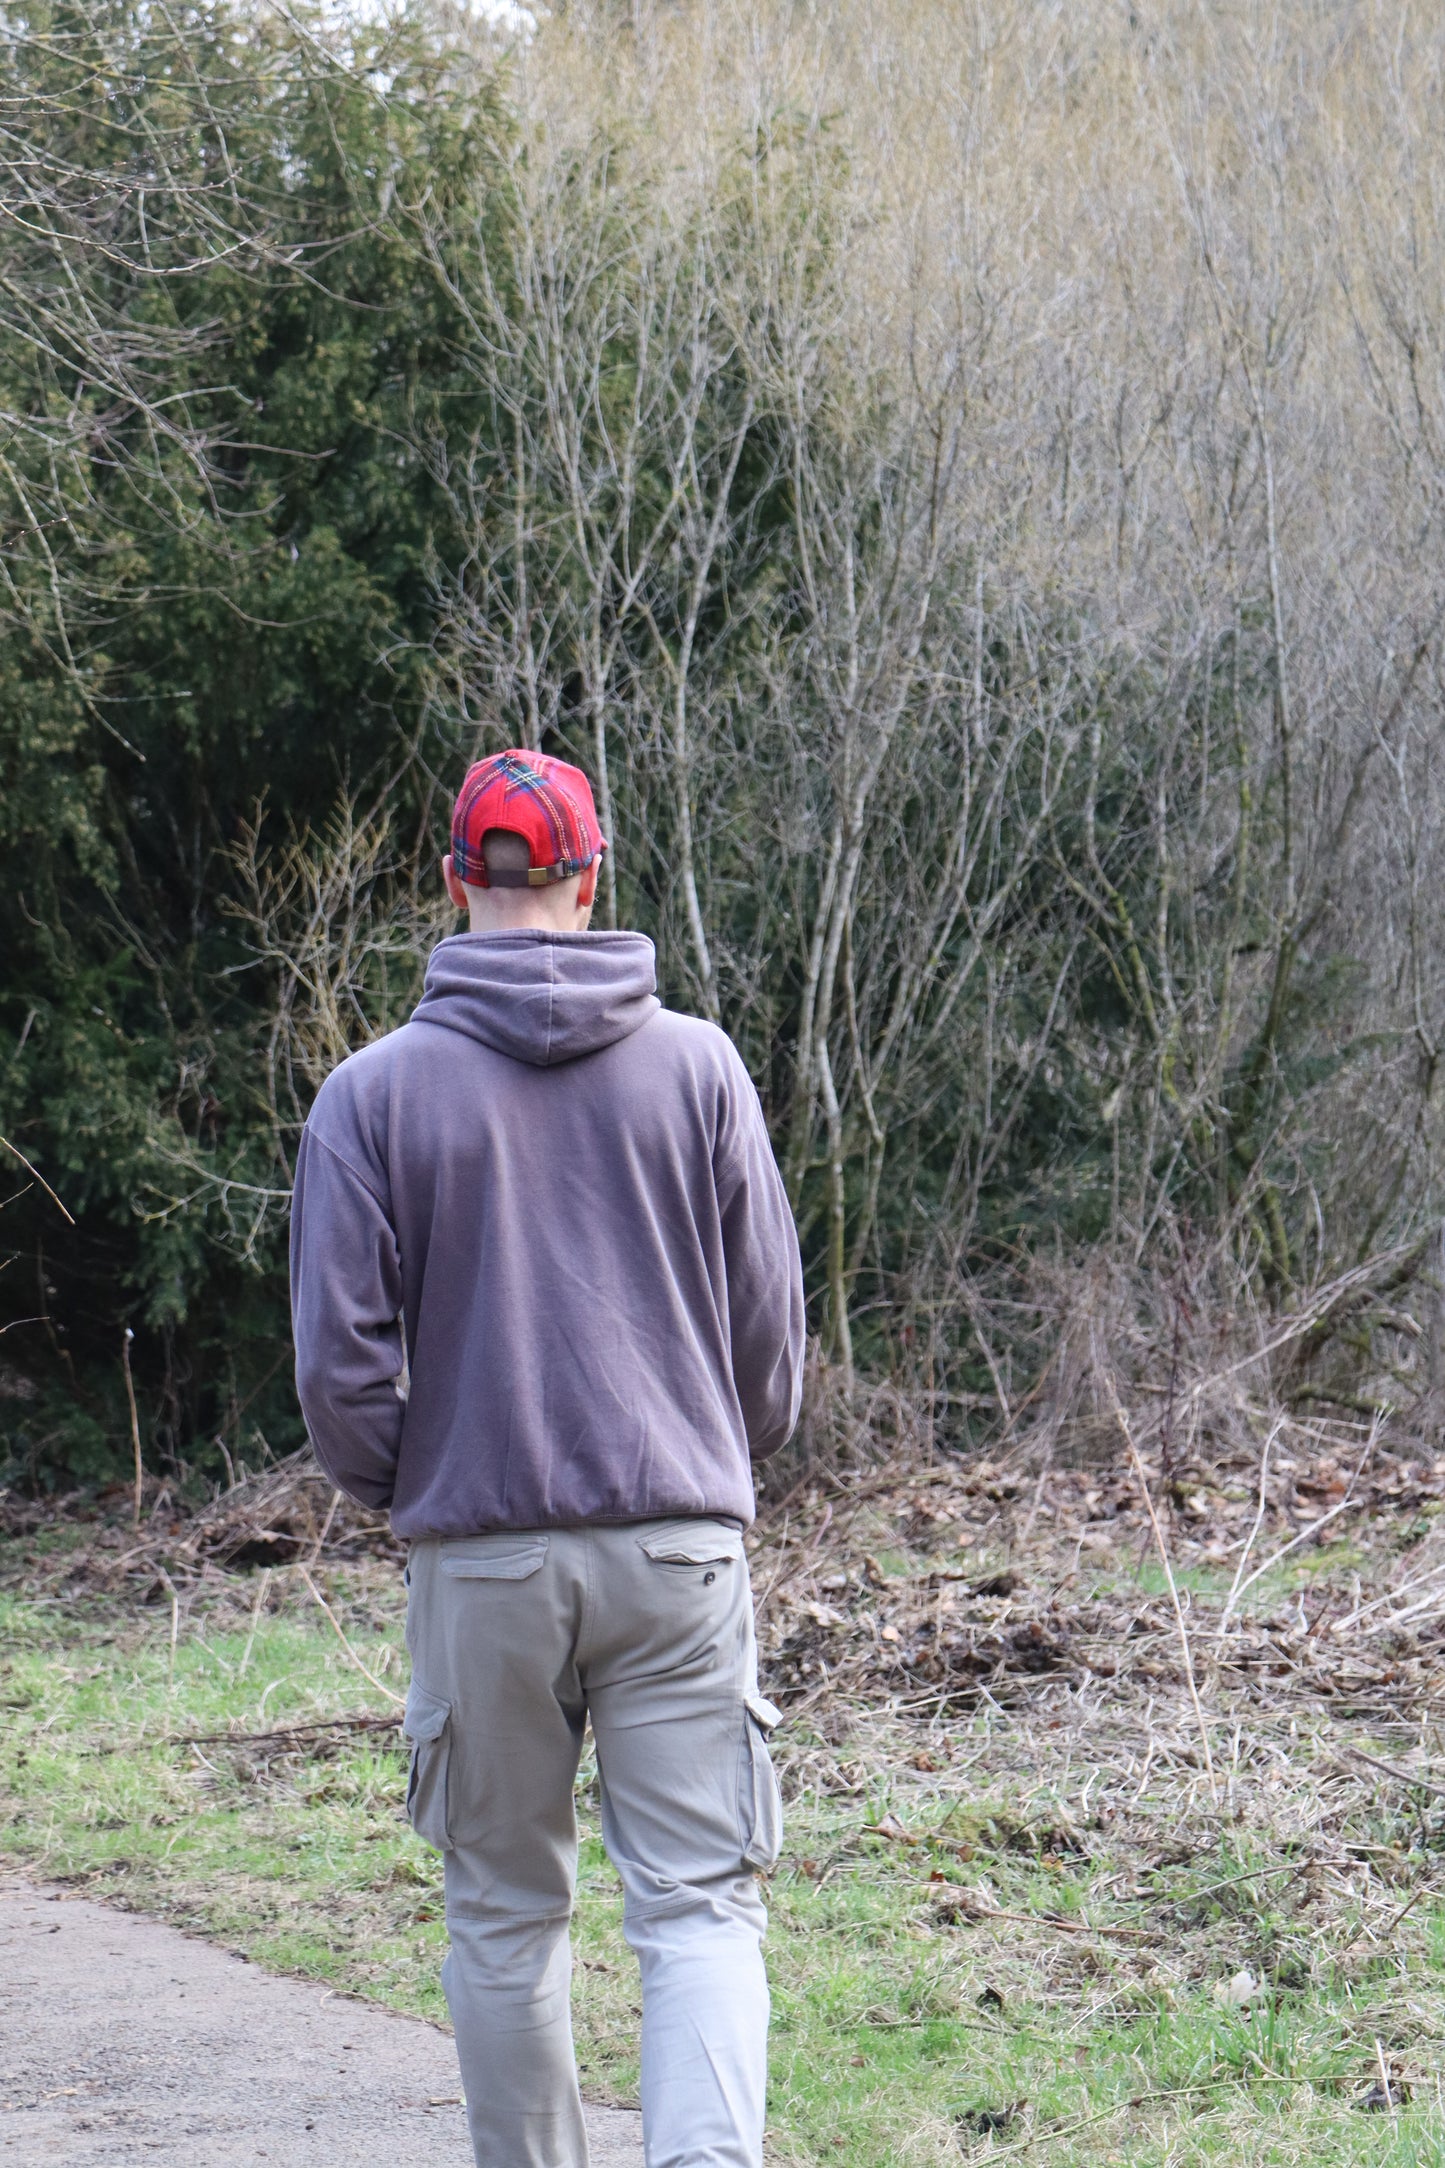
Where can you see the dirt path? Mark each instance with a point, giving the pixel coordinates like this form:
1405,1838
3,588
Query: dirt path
124,2041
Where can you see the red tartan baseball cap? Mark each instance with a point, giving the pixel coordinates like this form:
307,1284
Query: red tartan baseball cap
546,802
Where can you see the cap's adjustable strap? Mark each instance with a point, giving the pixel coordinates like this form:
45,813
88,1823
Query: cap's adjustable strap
534,876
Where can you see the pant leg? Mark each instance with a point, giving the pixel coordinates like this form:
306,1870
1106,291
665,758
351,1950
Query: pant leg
496,1715
689,1810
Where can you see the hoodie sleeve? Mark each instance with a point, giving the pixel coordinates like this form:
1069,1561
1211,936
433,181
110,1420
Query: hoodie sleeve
345,1309
764,1272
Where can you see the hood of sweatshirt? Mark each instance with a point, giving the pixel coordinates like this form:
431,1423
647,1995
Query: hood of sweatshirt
541,997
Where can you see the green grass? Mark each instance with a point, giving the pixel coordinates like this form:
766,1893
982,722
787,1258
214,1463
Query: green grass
903,2022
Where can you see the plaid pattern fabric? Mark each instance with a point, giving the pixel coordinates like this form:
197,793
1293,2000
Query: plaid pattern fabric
547,802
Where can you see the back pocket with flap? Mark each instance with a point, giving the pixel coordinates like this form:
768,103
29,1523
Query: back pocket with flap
501,1565
698,1543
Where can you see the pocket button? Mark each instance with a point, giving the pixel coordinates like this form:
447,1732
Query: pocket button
708,1579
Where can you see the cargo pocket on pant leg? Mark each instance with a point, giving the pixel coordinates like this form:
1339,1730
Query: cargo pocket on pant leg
427,1724
762,1801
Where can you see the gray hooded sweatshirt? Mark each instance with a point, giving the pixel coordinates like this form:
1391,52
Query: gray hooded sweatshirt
543,1268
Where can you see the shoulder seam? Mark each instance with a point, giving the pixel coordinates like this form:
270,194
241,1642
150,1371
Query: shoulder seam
355,1172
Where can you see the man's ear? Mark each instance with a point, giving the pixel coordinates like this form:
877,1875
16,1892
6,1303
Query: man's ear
587,888
455,889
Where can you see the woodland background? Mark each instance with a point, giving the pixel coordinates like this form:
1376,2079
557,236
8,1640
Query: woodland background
967,479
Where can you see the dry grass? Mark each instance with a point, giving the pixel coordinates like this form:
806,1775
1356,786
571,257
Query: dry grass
988,1657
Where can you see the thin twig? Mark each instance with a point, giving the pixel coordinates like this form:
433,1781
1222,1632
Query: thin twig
369,1676
1391,1595
170,1588
362,1720
365,1720
1304,1534
325,1528
1103,2115
126,1339
1163,1550
1392,1769
263,1583
976,1911
1210,1889
1229,1600
1284,1550
9,1147
1390,1925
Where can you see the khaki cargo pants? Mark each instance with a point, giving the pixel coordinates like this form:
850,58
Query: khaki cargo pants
516,1640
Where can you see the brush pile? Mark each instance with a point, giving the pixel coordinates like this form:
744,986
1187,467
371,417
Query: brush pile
1313,1575
938,1588
283,1515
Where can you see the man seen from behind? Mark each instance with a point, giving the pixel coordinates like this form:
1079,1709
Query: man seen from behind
548,1311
